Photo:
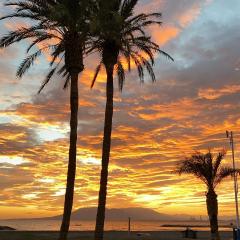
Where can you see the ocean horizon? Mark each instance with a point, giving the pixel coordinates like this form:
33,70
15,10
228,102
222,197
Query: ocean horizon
76,225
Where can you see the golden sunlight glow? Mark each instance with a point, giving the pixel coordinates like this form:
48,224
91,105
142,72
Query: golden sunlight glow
13,160
60,192
30,196
46,180
51,133
146,198
88,160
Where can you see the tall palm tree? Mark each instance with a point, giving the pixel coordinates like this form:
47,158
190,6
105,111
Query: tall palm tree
119,36
211,172
60,28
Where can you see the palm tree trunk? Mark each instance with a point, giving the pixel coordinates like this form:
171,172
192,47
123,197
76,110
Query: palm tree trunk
212,208
99,228
72,157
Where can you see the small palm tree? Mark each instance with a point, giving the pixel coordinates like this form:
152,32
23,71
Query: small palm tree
60,28
211,173
119,35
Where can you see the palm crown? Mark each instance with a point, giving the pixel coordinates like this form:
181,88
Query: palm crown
120,36
55,26
206,168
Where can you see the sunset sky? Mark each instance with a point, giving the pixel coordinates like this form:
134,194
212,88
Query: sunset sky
194,101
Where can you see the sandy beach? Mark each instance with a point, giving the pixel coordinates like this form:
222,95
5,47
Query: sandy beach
109,235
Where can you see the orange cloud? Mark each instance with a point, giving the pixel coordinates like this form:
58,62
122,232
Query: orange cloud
212,94
164,34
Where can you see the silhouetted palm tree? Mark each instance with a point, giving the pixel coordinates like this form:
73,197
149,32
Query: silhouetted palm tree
58,27
211,172
119,36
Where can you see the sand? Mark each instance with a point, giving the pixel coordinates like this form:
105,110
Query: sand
109,235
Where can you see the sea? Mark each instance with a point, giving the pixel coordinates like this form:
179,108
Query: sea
54,225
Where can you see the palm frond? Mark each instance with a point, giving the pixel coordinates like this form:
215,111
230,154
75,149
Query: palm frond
27,63
47,79
149,68
22,34
127,8
121,75
50,22
191,166
165,54
67,81
218,161
225,172
98,69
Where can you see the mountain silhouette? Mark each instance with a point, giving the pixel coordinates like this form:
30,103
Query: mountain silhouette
119,214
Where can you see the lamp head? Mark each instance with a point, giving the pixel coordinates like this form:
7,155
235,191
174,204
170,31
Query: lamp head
227,134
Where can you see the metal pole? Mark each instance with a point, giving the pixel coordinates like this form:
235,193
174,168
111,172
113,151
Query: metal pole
129,226
235,176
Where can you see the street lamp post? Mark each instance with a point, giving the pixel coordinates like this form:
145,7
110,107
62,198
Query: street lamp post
230,137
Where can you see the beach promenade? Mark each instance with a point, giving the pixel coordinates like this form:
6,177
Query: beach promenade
109,235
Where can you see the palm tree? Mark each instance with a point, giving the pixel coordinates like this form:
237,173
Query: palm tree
60,28
119,36
211,173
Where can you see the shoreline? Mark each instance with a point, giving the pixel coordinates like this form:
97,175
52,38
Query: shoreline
109,235
195,226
